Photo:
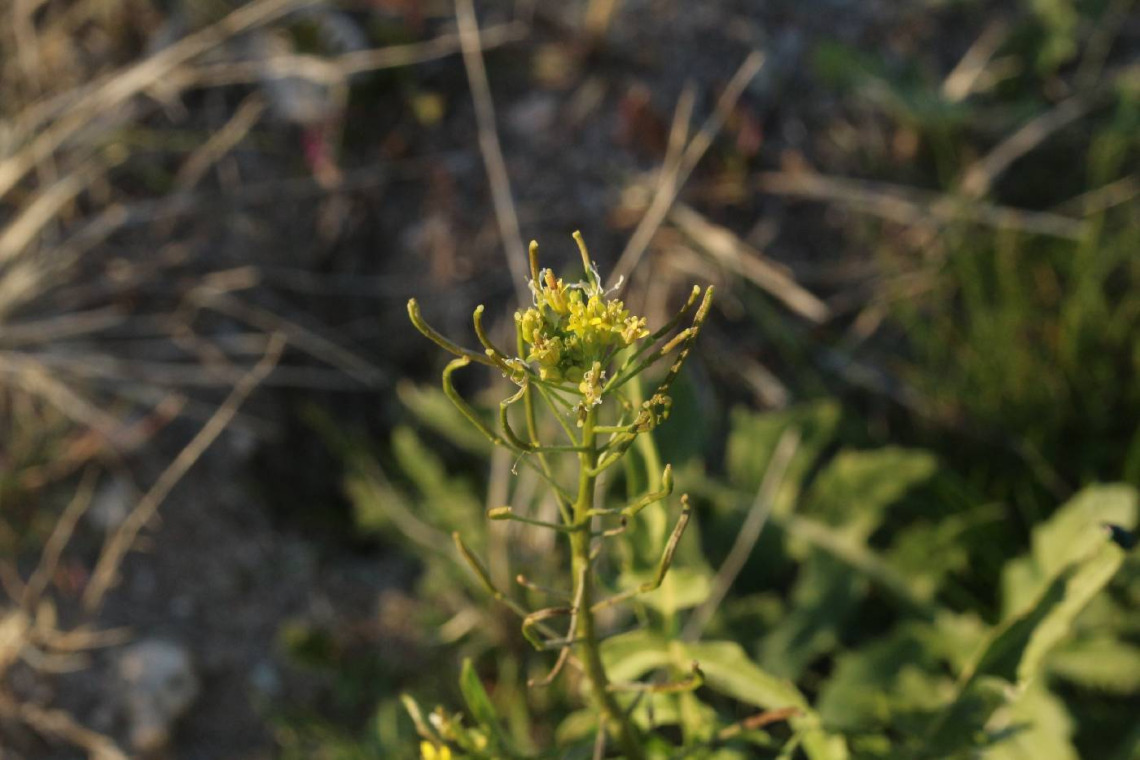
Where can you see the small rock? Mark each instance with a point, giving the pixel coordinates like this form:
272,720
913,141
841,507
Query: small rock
295,99
265,680
112,503
784,61
183,606
533,118
159,685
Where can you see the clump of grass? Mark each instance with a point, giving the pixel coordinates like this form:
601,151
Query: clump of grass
1032,345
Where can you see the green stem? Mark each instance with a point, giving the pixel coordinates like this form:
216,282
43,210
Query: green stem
646,444
616,722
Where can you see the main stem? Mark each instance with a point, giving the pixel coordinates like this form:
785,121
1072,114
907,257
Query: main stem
615,720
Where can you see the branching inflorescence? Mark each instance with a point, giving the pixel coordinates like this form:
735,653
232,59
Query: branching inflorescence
577,351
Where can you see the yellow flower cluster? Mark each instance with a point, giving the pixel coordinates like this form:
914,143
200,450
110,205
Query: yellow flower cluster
430,751
571,328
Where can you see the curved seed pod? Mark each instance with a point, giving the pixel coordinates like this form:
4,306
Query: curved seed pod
435,337
662,567
512,368
471,415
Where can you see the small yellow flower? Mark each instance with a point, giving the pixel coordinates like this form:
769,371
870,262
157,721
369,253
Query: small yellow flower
548,353
431,751
591,385
552,293
529,323
634,328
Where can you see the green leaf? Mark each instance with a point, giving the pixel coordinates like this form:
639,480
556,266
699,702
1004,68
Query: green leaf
479,704
447,502
1088,579
1075,529
578,726
753,439
846,504
856,487
862,693
432,408
824,597
686,434
697,720
1060,21
855,553
956,727
629,656
1103,663
1071,533
1014,651
928,551
682,588
1036,726
729,671
371,499
1016,648
419,463
1004,649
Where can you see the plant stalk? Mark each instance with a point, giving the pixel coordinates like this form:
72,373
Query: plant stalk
614,719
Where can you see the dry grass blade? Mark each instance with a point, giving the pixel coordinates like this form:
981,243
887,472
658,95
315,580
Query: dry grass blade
60,724
910,206
311,341
673,178
83,638
34,378
746,261
62,326
221,142
1103,198
679,129
757,721
960,82
120,542
665,191
980,177
183,204
120,87
14,625
60,535
600,744
767,388
1112,22
599,14
124,375
338,68
20,232
490,148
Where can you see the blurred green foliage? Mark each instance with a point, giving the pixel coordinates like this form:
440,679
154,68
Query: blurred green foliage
874,635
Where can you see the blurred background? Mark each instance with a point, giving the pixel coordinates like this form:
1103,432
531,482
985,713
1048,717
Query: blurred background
224,463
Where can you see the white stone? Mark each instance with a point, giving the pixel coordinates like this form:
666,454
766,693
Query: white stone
159,685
